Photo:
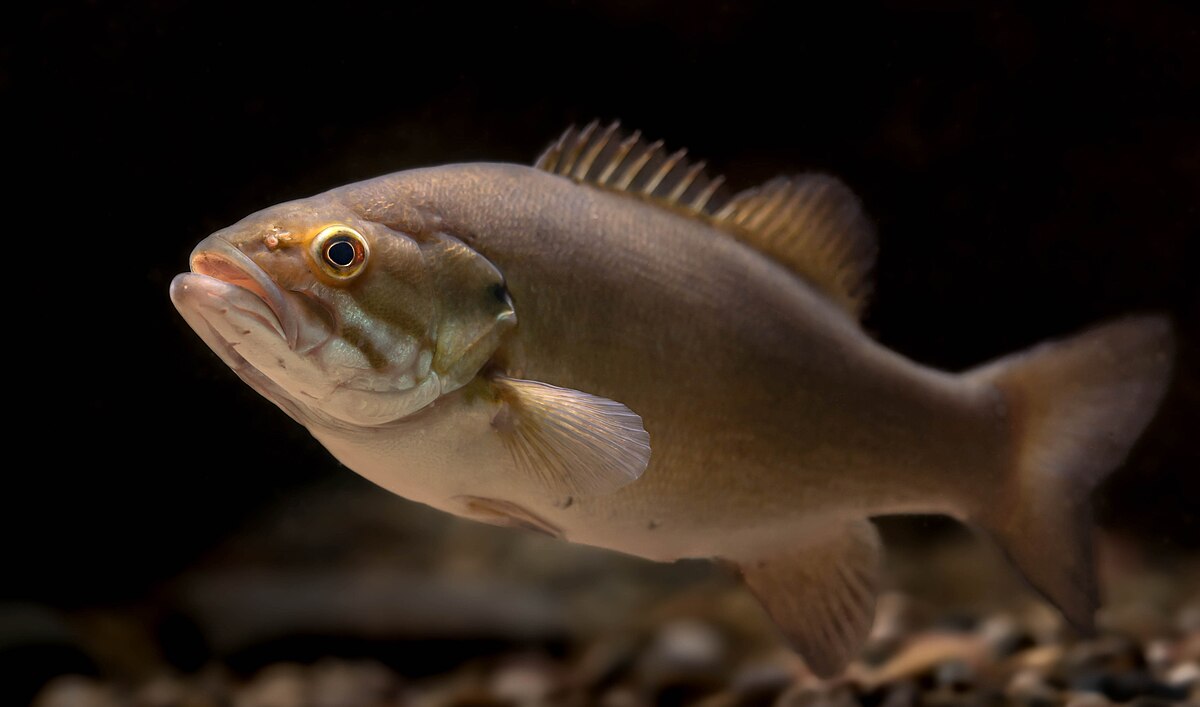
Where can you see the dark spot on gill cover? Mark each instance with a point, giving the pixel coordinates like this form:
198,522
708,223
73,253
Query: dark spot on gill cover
500,292
652,525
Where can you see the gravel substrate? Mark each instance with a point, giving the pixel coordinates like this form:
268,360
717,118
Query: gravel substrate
700,652
359,600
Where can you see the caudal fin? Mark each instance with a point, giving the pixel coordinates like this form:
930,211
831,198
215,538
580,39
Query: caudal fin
1075,408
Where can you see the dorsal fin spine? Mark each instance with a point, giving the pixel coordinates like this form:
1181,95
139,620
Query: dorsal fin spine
589,157
667,165
686,182
811,223
704,196
622,152
638,164
579,143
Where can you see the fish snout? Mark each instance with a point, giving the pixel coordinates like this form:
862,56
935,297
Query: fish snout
217,258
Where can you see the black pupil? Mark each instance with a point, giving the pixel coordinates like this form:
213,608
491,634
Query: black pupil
340,253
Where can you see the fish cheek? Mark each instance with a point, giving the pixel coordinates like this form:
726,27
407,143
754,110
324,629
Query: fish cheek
390,313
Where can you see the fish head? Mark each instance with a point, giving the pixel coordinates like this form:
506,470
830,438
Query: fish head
340,320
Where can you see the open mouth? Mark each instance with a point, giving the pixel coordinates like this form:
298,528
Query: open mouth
217,258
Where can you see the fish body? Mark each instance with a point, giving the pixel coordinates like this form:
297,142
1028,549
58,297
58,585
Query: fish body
589,350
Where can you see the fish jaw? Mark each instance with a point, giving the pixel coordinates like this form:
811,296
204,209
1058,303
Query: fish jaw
262,332
227,317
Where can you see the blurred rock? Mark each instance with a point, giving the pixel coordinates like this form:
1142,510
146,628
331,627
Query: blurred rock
1028,687
1159,654
1106,653
172,691
954,674
827,696
902,694
763,678
1150,702
1041,659
623,696
1004,635
921,656
685,650
280,685
525,680
1043,622
1125,686
337,683
76,691
1184,675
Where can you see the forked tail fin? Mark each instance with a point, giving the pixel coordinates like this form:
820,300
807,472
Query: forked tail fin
1075,408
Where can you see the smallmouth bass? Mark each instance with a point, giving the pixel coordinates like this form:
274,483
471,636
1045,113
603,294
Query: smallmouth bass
603,349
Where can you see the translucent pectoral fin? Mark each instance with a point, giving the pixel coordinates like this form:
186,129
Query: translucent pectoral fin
822,595
568,441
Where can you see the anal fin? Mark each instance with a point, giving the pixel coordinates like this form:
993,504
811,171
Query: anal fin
822,594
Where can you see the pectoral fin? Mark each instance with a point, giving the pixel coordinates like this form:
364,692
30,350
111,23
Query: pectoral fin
570,442
822,595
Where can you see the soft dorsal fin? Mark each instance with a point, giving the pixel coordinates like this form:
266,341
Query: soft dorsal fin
813,224
628,163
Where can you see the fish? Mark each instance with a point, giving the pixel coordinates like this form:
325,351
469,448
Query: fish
612,348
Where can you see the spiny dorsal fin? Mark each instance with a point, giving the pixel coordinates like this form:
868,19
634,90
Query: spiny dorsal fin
813,224
628,163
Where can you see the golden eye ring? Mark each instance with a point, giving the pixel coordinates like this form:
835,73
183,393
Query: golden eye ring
340,252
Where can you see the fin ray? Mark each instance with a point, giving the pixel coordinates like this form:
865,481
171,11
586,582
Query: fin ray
631,165
1074,409
822,595
813,224
570,442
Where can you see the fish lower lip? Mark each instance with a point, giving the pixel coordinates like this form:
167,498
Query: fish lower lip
217,258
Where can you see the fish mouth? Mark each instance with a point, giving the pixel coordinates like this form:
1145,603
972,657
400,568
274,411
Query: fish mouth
219,259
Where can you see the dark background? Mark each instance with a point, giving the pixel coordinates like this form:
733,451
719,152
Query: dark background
1031,169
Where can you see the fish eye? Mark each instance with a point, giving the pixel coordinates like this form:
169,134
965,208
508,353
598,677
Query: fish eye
340,252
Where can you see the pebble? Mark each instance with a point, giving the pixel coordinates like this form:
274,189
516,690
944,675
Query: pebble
1039,658
1107,653
1159,654
1003,635
1030,688
338,683
1125,686
762,678
685,650
75,691
1184,675
622,696
279,685
809,697
169,691
954,674
525,680
1087,699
